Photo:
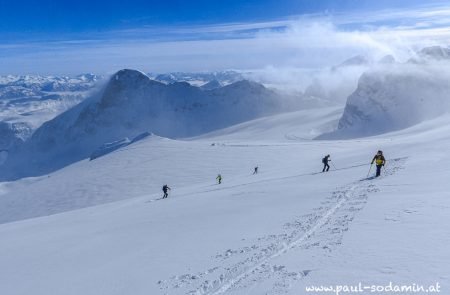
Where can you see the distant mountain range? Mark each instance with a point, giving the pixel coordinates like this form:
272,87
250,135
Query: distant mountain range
199,79
28,101
79,121
132,103
12,86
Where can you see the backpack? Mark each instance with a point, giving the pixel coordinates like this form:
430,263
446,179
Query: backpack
324,160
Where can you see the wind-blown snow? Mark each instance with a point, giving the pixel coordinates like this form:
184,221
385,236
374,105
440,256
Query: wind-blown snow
396,96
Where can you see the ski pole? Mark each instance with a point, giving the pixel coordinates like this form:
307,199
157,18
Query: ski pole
369,170
333,165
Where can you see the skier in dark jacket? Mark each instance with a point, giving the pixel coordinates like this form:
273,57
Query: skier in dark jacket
256,170
165,189
219,178
325,161
379,161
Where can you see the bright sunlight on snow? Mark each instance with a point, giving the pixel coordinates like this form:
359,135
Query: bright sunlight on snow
222,147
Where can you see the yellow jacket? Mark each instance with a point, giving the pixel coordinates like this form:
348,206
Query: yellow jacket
379,160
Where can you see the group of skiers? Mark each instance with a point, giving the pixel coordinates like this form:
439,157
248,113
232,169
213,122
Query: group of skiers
378,159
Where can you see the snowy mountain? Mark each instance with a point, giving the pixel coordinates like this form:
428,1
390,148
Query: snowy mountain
92,220
199,79
433,53
13,134
396,96
12,86
213,84
131,104
28,101
333,86
358,60
387,59
101,227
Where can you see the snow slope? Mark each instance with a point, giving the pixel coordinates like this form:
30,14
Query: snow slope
131,104
276,232
293,126
178,157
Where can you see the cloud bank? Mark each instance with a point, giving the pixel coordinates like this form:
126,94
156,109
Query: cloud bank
308,42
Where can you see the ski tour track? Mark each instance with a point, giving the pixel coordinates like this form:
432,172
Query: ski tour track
265,180
322,229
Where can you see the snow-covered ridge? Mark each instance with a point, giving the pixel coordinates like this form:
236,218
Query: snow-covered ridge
394,96
358,60
433,53
131,104
200,78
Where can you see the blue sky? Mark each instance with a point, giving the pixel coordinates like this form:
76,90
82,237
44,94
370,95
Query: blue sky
103,36
56,16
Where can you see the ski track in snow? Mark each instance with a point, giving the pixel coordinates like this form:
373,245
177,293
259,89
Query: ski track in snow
323,229
227,187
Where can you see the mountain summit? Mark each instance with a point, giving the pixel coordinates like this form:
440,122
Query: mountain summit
132,103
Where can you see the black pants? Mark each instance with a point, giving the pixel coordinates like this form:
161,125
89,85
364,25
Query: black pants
379,170
165,195
326,167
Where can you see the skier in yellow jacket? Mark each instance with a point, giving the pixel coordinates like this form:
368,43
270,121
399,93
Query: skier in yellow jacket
379,161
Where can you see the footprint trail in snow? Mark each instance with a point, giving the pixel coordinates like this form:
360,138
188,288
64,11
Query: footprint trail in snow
323,230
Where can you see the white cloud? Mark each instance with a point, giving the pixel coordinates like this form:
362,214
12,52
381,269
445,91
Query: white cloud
311,41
